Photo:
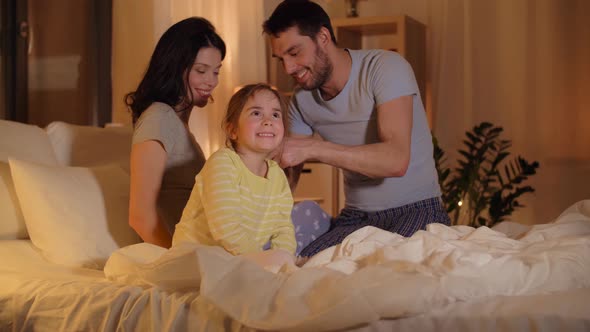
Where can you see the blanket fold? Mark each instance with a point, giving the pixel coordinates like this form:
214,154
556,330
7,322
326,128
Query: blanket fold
373,274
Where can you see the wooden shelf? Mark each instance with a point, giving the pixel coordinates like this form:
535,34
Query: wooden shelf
319,182
369,25
318,200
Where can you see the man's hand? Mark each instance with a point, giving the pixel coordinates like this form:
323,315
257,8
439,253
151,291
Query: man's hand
389,157
276,153
296,151
291,155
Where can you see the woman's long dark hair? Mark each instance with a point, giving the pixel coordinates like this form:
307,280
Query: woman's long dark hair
166,78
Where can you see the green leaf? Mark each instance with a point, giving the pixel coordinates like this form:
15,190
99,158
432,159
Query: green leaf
478,176
465,154
473,138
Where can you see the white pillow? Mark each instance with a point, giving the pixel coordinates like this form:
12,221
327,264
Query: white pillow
89,146
25,142
76,216
12,223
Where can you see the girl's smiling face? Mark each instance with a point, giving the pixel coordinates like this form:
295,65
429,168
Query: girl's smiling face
260,127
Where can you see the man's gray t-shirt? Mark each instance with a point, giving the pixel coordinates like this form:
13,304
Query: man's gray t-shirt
159,122
350,118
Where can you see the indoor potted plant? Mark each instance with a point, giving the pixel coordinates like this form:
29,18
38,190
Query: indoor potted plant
483,188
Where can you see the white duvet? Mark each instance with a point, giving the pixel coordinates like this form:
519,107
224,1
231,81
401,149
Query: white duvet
373,274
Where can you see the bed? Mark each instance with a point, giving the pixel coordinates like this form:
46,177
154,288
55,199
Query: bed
63,269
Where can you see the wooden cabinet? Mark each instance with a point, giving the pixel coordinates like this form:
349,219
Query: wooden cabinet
318,182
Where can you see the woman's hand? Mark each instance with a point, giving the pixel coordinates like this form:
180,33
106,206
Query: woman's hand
148,160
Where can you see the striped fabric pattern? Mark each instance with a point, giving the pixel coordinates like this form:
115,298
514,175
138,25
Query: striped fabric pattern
236,209
404,220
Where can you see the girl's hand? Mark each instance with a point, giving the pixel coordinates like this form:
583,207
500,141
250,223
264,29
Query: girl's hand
300,261
269,258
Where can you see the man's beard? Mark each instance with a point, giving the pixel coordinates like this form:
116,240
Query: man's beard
322,70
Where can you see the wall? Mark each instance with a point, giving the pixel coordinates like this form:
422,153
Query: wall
61,62
523,65
135,33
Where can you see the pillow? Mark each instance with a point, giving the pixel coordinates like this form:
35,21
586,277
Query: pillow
76,216
12,223
88,146
25,142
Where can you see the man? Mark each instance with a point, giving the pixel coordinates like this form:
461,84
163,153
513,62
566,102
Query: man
366,107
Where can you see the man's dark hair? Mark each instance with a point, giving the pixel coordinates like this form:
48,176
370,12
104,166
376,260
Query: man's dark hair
307,16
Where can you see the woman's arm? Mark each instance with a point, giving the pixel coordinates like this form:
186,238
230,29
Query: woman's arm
148,160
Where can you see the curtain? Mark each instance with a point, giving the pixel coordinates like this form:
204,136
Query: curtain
239,24
137,26
523,65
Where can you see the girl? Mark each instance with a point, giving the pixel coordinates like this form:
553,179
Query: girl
165,157
241,199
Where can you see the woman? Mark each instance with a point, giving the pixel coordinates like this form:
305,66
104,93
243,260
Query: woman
165,158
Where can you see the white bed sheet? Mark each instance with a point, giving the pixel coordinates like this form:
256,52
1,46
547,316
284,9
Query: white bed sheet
375,274
38,295
561,311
